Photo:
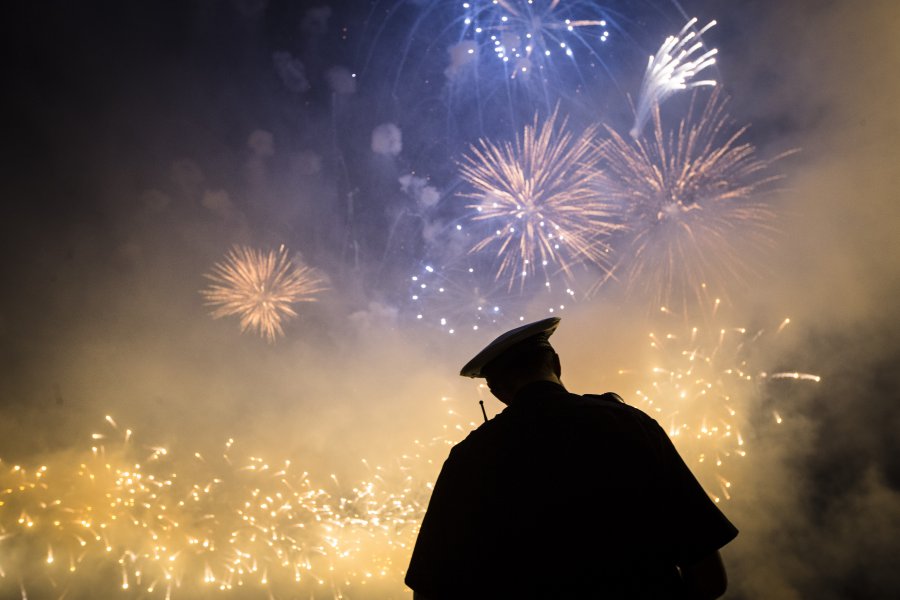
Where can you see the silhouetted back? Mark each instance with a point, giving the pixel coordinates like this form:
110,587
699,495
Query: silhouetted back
564,494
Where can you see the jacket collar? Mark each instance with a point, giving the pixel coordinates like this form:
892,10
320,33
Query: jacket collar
536,390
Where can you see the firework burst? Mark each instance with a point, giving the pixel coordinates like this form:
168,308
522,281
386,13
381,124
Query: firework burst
540,196
692,202
260,287
672,69
701,386
526,34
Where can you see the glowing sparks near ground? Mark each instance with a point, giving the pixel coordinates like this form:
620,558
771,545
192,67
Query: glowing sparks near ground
260,288
672,69
525,34
540,196
693,202
701,387
170,525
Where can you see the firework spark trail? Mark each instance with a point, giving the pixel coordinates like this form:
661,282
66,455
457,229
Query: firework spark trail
693,199
672,69
260,287
540,194
463,299
167,525
459,300
526,34
701,386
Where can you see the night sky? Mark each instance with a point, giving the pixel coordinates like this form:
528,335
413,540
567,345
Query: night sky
144,140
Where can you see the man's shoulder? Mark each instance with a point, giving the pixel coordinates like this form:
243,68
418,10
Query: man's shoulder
612,400
487,432
605,397
561,407
484,433
609,406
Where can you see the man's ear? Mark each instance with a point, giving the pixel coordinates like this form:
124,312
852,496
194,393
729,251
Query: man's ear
557,367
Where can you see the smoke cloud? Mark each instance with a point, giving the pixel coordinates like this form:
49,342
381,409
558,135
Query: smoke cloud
387,139
134,177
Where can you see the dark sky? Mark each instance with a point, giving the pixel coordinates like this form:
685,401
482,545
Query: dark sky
144,139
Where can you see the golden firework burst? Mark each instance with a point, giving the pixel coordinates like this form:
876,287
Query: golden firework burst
542,194
260,288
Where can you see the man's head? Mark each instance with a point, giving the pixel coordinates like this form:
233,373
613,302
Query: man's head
517,357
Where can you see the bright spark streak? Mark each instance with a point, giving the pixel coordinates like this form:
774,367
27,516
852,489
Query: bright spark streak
672,69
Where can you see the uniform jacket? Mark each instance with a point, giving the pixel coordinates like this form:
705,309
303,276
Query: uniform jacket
563,495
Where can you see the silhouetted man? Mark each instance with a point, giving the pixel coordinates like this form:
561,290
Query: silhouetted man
564,496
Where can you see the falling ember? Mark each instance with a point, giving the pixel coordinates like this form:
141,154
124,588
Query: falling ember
539,196
260,288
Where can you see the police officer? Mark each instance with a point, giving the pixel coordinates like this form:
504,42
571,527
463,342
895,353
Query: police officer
564,496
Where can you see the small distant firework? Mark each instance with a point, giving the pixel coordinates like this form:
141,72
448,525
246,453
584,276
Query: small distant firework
672,69
260,287
526,34
464,299
540,195
126,519
701,386
691,198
